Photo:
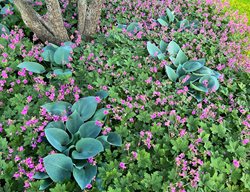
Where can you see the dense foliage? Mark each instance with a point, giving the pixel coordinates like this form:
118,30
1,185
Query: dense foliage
170,140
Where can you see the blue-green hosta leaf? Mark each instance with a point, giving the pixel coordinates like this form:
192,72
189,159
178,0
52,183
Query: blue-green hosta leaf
191,66
99,115
180,71
69,149
203,71
40,175
74,122
89,129
180,58
153,49
62,73
45,184
5,9
121,26
133,27
111,139
56,125
170,15
183,24
58,167
68,43
86,148
192,78
198,87
48,52
213,82
62,54
57,108
58,138
102,94
216,74
171,73
86,107
163,46
4,30
162,22
173,48
161,56
32,66
202,61
85,175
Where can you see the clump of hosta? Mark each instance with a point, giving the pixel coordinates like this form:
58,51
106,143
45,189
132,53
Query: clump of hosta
6,7
76,140
58,58
170,18
133,27
189,72
4,30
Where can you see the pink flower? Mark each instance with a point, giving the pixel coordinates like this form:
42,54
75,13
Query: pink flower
236,163
122,165
25,110
245,141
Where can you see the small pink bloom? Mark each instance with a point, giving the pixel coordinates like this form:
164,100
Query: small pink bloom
122,165
236,163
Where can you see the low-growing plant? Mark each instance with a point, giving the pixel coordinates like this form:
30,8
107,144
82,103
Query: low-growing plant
189,72
58,58
133,27
170,18
6,6
78,139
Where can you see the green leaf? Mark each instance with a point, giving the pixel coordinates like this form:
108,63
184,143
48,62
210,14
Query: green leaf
46,183
213,83
58,138
32,67
57,108
48,52
191,66
74,122
62,54
171,73
203,71
162,22
40,175
89,129
198,87
153,50
170,15
102,94
180,71
4,30
173,48
133,27
114,139
99,115
180,58
60,73
192,78
111,139
86,148
85,175
163,46
56,124
86,107
58,167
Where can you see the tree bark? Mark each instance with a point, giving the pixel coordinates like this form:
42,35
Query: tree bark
92,17
82,8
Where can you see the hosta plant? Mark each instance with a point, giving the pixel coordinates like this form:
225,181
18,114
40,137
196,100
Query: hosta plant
6,6
57,56
170,18
4,30
76,140
133,27
193,73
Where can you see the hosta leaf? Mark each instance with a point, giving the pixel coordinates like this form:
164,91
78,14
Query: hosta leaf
32,67
85,175
45,184
204,71
40,175
57,108
56,124
133,27
198,87
102,94
192,78
114,139
58,167
99,115
89,129
153,49
191,66
86,107
162,22
213,83
4,30
62,54
163,46
58,138
173,48
170,15
86,148
180,58
161,56
180,71
74,122
171,73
